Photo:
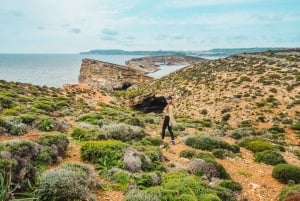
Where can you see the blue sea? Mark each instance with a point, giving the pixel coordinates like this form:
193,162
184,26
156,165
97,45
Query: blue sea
49,69
57,70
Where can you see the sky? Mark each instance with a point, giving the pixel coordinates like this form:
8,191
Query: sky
73,26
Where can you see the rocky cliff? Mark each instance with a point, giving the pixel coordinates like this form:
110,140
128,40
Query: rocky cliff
152,63
103,75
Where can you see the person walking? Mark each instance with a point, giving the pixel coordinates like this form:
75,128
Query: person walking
169,119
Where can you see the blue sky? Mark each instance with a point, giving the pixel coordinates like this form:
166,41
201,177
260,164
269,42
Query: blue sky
72,26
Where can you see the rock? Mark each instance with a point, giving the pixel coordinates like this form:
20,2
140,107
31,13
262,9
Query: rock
103,75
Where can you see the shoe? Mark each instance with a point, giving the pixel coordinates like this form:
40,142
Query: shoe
172,142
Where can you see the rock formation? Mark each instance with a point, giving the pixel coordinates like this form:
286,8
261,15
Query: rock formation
152,63
103,75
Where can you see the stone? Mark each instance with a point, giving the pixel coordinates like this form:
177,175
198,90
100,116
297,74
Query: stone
103,75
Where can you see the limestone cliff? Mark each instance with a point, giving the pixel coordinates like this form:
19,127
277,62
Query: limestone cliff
103,75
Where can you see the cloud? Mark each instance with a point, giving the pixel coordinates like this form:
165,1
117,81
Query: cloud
109,38
130,37
40,28
109,32
75,30
161,37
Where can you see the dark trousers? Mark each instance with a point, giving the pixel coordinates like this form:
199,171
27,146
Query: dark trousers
165,125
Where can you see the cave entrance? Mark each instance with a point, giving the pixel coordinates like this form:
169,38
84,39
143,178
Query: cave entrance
124,86
151,104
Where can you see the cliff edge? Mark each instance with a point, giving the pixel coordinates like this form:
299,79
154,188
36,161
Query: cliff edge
103,75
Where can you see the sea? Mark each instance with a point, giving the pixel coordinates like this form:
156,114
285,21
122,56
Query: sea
56,70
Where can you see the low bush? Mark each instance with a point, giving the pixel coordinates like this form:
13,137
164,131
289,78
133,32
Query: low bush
269,157
139,195
295,126
13,125
219,153
209,143
290,193
67,182
22,157
230,184
80,133
95,150
187,154
122,132
256,145
286,173
147,179
209,197
242,132
55,140
154,141
6,102
120,177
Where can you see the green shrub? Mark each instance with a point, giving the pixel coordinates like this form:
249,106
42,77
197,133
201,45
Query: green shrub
230,184
94,150
68,182
206,142
155,141
80,133
289,191
187,154
144,180
285,173
119,176
28,118
295,126
59,140
6,102
256,145
122,132
44,105
209,197
269,157
219,153
18,156
139,195
226,117
46,124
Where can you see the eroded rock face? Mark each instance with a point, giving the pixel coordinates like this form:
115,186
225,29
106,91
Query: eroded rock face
103,75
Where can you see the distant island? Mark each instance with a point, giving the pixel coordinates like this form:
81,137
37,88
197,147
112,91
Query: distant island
124,52
217,52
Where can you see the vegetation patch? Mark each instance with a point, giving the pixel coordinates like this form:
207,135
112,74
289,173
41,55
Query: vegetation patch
70,181
286,173
209,143
256,145
290,193
269,157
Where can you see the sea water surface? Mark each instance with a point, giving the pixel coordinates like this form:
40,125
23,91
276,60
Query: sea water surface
56,70
49,69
